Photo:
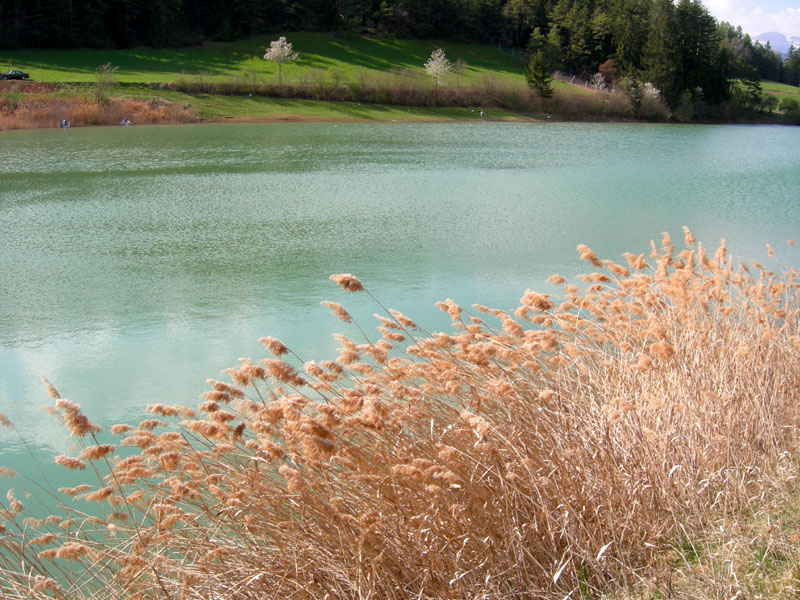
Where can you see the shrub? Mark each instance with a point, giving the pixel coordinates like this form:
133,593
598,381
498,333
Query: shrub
652,108
788,105
618,105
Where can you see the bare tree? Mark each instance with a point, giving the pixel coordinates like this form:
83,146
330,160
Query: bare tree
106,76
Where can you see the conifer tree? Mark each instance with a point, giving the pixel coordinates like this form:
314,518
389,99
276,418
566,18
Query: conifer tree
538,76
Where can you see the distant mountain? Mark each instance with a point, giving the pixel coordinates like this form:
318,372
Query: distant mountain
778,42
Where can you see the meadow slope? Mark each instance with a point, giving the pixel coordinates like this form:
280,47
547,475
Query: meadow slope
335,77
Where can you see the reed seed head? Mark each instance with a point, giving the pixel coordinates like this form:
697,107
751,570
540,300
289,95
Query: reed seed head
347,282
70,463
274,345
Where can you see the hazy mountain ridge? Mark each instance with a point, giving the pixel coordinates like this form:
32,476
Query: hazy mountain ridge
778,42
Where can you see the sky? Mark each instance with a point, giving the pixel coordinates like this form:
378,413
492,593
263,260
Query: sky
758,16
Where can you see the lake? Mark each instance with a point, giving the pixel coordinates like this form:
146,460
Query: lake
137,262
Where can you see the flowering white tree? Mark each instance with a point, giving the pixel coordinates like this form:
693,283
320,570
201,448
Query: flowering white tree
280,51
437,66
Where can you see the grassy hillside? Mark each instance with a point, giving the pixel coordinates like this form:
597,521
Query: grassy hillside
347,56
213,81
780,89
357,77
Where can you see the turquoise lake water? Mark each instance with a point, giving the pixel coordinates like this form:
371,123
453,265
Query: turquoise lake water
137,262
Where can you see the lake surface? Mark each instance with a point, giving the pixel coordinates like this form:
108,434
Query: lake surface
137,262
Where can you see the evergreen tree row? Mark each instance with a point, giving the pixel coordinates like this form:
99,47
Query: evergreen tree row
125,23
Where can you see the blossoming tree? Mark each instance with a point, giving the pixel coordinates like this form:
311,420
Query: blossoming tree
437,66
280,51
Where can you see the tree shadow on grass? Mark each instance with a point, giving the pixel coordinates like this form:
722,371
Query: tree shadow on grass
134,61
321,51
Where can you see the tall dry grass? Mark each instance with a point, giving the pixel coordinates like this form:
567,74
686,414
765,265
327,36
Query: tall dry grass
45,111
405,87
557,450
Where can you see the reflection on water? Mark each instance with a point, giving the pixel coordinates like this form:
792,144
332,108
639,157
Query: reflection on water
136,262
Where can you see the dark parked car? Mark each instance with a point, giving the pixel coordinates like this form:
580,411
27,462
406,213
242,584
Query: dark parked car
14,74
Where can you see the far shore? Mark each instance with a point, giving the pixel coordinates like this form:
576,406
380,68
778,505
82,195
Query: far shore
43,115
39,114
32,104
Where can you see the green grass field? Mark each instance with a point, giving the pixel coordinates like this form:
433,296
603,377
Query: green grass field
344,56
780,89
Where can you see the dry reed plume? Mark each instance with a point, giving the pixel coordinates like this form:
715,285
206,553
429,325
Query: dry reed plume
559,449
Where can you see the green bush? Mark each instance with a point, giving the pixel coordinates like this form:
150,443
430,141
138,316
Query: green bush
788,105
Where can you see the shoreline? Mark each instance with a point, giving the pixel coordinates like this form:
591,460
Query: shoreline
47,110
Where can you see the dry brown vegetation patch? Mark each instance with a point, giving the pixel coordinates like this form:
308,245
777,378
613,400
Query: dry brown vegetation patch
48,111
27,87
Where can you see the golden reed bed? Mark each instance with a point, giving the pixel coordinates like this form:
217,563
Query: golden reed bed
566,449
41,111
